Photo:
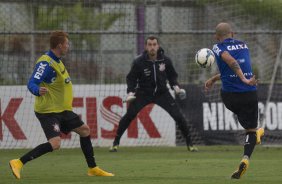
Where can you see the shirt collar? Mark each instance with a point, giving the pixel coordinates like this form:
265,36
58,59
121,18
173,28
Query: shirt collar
53,56
228,39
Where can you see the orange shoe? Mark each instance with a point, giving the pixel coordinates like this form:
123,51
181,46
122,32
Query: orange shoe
16,166
241,170
260,133
96,171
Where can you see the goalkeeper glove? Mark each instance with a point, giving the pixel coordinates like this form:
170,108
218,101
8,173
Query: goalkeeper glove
130,97
180,92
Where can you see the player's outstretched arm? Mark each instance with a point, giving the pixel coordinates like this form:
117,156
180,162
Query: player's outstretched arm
180,92
209,83
232,63
252,81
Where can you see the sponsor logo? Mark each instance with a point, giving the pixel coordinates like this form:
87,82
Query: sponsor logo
110,109
237,47
216,49
40,70
147,72
217,117
241,60
246,74
67,80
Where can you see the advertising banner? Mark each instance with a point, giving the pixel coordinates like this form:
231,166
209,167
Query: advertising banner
212,123
100,106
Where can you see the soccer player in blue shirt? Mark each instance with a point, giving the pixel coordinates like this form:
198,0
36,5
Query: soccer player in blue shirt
239,91
52,87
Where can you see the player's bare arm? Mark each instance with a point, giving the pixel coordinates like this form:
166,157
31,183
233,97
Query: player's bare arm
209,83
232,63
235,66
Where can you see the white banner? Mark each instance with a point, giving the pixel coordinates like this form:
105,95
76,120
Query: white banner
100,106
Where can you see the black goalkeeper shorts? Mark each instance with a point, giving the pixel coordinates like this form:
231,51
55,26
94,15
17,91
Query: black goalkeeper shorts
244,105
55,123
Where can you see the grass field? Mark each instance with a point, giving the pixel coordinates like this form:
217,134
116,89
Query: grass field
160,165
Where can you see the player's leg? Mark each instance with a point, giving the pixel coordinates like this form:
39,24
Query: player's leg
17,164
72,122
87,149
251,139
245,106
233,102
51,128
248,118
167,102
249,145
132,110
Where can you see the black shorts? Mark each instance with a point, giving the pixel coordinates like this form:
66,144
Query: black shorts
55,123
244,105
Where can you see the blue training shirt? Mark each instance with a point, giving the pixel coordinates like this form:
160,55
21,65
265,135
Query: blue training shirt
240,52
42,72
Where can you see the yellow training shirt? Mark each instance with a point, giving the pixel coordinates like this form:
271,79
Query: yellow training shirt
59,96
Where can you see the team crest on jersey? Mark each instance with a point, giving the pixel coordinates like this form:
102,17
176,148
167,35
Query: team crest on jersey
56,127
162,67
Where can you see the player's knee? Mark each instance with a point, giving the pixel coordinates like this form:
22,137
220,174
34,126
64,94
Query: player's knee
55,143
84,130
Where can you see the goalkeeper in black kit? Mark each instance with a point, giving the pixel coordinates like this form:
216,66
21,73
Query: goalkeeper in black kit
147,83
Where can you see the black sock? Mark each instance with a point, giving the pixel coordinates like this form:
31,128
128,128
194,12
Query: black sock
185,132
37,152
188,141
87,149
250,143
123,125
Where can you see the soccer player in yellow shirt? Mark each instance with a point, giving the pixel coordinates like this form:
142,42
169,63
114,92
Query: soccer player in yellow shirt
52,86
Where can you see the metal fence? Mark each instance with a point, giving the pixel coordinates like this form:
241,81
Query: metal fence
107,35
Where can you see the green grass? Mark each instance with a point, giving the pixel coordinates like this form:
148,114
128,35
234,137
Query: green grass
160,165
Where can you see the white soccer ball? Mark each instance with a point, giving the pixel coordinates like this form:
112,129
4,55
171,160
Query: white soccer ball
205,58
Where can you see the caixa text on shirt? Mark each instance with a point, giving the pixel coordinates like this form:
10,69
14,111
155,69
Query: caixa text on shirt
237,47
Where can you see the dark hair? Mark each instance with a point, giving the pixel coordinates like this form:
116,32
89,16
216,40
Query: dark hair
57,37
151,37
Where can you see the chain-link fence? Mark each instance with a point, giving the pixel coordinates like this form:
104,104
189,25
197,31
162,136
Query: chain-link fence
107,35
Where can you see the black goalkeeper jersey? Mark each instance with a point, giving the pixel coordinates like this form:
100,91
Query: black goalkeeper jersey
151,77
